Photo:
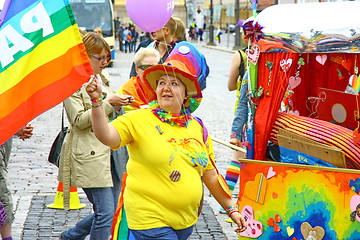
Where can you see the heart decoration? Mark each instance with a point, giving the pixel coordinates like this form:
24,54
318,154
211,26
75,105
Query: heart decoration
308,232
290,231
301,62
269,65
354,203
273,222
356,136
285,64
336,59
253,54
274,195
256,190
271,173
321,59
355,185
294,82
347,64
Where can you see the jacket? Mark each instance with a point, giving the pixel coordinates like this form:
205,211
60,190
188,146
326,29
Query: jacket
84,160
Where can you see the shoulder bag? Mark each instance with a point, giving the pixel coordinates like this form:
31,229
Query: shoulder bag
55,150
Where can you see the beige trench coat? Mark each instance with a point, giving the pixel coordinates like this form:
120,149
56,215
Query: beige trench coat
84,160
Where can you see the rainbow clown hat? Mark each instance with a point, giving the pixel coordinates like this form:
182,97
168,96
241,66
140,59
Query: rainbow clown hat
182,64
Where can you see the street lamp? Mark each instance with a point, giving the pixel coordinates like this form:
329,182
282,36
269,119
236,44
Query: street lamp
211,27
237,27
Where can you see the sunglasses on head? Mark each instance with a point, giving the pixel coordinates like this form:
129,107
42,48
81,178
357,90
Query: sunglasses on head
144,67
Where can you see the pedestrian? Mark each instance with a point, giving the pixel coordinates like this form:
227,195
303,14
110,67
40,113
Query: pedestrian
135,36
84,161
237,80
163,41
169,149
127,38
136,86
5,192
120,37
218,34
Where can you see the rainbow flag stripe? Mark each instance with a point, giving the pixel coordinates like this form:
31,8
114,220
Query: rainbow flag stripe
42,62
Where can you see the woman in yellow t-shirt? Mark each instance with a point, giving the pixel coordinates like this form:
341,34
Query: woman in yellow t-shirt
168,157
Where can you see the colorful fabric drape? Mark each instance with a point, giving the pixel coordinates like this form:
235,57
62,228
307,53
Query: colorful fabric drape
42,60
304,74
321,131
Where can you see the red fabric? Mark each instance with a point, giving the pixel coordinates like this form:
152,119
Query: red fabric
313,75
142,93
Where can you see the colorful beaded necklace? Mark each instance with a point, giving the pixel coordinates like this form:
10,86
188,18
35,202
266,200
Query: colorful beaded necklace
172,119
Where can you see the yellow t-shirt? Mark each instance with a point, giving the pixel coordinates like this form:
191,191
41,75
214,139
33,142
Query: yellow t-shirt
156,151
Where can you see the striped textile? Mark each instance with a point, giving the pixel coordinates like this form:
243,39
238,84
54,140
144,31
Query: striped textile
232,174
322,132
42,60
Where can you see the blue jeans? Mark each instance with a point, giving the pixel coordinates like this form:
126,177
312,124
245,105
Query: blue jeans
97,224
162,233
241,113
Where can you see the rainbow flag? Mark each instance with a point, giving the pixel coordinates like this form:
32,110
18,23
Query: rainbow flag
42,60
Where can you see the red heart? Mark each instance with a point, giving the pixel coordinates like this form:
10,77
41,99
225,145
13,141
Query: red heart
356,136
277,218
270,222
276,228
274,195
337,59
346,64
294,238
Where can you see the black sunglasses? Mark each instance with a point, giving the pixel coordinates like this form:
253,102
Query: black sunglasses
144,67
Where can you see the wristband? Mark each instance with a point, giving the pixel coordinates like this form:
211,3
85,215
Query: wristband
98,99
96,104
230,210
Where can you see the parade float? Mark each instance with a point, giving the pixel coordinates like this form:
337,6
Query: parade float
303,96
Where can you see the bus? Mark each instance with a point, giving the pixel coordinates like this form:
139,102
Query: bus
90,14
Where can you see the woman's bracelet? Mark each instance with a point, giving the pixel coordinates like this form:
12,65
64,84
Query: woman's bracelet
230,210
96,104
98,99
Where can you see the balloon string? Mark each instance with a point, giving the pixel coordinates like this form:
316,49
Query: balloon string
167,74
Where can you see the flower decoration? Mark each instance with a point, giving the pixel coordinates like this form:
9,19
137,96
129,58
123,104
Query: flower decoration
253,31
181,119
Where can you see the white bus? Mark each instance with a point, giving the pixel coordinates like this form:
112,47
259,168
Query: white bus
90,14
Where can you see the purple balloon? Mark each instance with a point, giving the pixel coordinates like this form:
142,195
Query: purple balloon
150,15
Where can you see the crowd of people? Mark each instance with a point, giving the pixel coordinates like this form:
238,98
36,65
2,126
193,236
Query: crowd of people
106,149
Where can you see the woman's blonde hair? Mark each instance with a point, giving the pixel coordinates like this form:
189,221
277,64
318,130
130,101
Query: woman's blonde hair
94,44
145,52
180,29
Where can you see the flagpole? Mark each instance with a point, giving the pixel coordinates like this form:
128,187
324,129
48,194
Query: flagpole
228,145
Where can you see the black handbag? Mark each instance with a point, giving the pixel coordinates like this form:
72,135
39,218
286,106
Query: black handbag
55,150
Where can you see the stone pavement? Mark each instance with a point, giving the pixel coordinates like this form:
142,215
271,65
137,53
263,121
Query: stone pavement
34,181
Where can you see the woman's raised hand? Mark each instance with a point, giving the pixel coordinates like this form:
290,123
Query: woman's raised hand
94,88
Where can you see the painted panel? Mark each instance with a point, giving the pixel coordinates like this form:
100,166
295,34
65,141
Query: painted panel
290,201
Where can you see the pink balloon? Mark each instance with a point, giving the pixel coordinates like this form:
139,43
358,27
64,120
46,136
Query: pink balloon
150,15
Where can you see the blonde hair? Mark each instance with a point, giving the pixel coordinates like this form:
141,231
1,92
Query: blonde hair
180,29
171,24
145,52
94,44
99,30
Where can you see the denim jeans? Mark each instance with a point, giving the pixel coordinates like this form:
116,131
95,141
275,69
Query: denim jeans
241,113
162,233
97,224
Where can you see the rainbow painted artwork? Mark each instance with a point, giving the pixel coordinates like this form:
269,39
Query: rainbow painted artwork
298,202
42,60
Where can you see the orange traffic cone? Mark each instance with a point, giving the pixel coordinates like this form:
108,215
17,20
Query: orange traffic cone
59,198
